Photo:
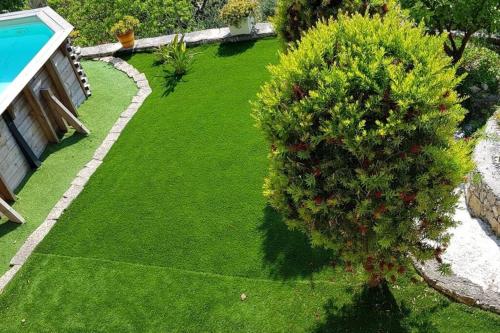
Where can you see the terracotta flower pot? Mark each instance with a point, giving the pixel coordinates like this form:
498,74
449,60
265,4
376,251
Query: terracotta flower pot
127,39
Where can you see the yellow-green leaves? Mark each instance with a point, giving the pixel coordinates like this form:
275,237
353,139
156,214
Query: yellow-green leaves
363,112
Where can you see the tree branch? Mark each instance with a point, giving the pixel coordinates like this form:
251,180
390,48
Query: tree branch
465,40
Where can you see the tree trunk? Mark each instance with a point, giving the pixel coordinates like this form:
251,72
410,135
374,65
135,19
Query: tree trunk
37,3
375,281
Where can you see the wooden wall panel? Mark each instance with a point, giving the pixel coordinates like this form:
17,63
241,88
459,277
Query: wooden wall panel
28,125
13,165
71,81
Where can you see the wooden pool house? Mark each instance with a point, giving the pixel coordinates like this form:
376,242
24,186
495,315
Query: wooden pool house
42,84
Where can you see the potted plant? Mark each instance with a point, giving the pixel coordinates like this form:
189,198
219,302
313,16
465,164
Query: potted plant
124,31
239,15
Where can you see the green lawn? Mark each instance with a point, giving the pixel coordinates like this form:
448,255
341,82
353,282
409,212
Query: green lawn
112,92
173,228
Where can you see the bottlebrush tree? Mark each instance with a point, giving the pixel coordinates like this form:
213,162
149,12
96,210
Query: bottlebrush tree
360,118
294,17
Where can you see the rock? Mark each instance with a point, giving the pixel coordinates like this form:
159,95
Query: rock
491,199
475,205
475,89
485,87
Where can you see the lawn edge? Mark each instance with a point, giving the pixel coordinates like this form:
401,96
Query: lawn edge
83,176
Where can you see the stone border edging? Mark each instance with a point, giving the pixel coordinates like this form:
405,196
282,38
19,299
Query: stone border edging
217,35
458,288
78,184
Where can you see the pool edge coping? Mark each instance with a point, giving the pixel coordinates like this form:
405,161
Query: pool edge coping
78,184
61,29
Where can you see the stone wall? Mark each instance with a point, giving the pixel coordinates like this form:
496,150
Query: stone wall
483,190
483,204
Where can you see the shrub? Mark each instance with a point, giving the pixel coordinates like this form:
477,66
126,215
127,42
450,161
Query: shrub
11,5
481,85
235,10
482,66
124,26
207,14
175,54
94,18
360,117
467,16
267,9
294,17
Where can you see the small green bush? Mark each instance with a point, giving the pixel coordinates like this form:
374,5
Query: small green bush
93,19
124,26
360,117
267,9
235,10
176,55
481,85
294,17
12,5
207,14
482,66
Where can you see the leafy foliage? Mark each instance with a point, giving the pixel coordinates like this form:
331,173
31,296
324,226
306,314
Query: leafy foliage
466,16
294,17
125,25
175,54
481,85
360,117
11,5
94,18
267,9
207,14
235,10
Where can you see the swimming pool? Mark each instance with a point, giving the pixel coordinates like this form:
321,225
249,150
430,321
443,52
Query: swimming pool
42,83
20,41
27,41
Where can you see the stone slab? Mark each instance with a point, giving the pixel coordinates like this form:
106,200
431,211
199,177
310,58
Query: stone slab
217,35
458,288
32,242
8,276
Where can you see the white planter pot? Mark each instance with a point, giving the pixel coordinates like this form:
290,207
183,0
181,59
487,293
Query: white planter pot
245,27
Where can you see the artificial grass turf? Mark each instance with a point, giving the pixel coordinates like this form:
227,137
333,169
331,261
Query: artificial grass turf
186,177
68,294
112,92
173,228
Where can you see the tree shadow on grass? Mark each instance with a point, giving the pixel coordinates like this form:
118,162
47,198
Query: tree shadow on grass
65,142
51,149
375,310
7,227
232,49
288,253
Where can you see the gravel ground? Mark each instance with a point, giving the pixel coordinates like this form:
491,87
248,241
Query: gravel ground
474,251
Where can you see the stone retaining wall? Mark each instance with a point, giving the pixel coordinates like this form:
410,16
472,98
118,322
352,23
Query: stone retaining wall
483,190
217,35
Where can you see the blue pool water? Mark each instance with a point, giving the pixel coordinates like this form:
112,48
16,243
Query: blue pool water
20,41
